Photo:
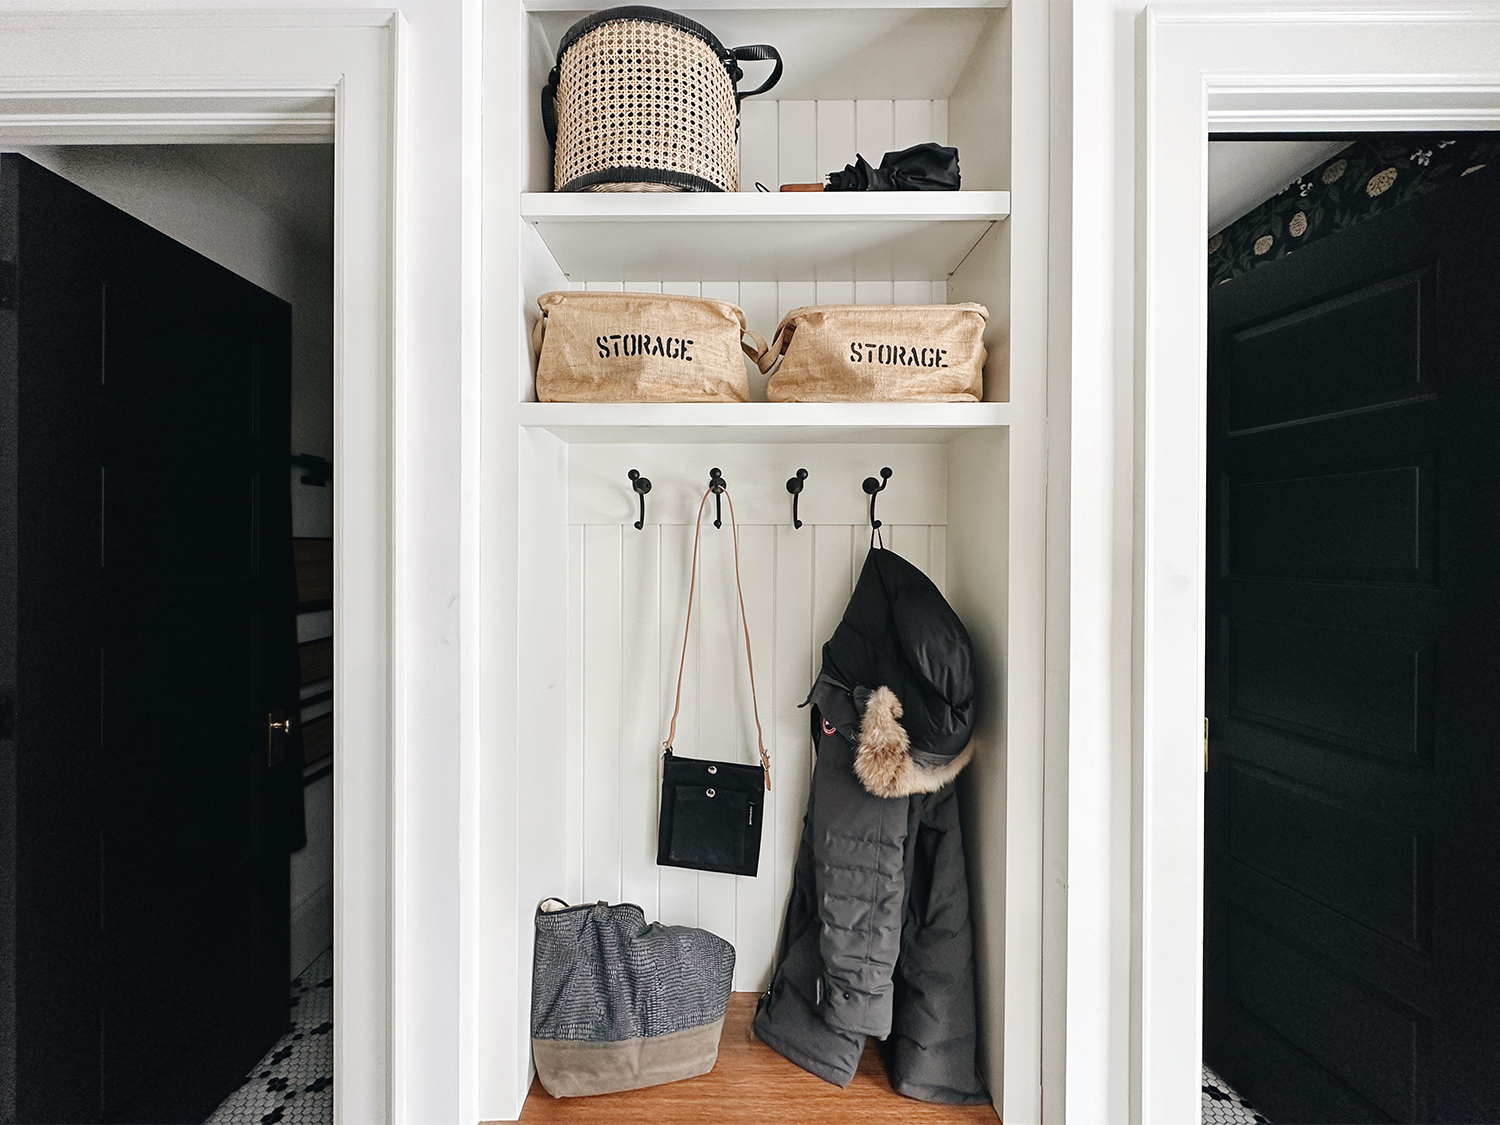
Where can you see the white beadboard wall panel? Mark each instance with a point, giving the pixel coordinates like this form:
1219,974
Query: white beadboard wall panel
937,539
791,677
630,593
800,142
603,706
573,893
835,136
797,143
794,295
640,673
678,889
833,568
874,130
912,126
756,907
759,127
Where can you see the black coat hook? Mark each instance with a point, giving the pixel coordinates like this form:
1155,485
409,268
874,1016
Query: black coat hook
641,486
872,487
794,486
717,484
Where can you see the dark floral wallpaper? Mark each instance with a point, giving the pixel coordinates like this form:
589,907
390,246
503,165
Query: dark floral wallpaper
1370,176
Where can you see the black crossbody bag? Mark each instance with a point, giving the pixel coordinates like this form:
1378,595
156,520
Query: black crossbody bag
711,812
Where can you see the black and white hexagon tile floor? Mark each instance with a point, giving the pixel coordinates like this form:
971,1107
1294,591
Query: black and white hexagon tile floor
293,1084
1222,1105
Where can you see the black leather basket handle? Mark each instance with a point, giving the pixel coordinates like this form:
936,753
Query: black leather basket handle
549,107
756,52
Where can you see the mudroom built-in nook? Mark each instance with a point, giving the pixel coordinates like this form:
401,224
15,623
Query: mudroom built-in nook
574,744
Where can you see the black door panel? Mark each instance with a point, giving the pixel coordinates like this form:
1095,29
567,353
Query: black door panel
1353,656
148,390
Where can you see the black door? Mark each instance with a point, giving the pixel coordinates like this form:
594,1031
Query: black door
1353,874
149,640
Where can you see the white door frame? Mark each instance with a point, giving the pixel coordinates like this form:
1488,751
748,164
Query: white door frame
1298,67
131,77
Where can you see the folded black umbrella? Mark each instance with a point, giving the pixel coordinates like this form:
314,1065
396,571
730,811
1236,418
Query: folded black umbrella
927,167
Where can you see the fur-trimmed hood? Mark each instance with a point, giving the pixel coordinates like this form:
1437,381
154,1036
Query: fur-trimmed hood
898,681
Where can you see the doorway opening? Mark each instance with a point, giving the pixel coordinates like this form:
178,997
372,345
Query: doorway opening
204,279
1350,622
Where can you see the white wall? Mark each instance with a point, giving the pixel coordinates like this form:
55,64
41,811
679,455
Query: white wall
1100,860
167,188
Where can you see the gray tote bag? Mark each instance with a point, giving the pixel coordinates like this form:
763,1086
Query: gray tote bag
617,1004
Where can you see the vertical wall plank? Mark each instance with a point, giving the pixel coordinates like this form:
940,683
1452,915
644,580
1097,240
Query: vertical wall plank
755,899
792,671
678,887
832,563
872,293
644,286
682,288
940,292
793,295
759,129
912,292
937,545
758,302
874,129
605,286
835,136
910,541
797,143
912,124
640,662
573,892
835,292
601,712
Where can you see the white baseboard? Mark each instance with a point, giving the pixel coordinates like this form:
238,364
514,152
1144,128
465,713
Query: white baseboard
312,927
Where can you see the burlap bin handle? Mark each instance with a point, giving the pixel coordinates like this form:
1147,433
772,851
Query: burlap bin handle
641,347
878,353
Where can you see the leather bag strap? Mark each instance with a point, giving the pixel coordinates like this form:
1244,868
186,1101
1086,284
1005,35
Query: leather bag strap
760,737
757,52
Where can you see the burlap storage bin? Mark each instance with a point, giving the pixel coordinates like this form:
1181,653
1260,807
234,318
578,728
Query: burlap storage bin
878,353
641,347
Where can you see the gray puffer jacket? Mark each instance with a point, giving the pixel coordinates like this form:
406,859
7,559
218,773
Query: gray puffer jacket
877,939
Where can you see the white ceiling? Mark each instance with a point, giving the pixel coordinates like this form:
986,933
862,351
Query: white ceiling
1244,174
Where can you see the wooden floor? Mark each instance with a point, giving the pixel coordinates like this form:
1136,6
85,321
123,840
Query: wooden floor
752,1083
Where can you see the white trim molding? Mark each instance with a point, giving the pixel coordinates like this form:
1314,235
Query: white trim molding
1359,66
274,76
124,115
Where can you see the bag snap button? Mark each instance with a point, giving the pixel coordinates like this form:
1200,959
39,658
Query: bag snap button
713,769
710,792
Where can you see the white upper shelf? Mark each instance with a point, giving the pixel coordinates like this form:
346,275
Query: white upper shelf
762,236
764,422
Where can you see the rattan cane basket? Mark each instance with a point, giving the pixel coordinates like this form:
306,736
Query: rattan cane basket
643,99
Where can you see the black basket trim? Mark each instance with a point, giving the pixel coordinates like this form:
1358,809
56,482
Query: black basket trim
649,15
683,180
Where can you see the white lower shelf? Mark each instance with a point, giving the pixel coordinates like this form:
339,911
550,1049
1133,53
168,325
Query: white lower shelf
763,236
764,422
